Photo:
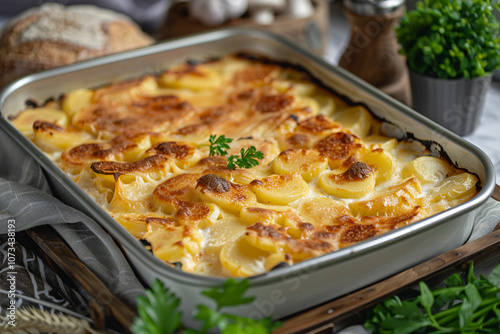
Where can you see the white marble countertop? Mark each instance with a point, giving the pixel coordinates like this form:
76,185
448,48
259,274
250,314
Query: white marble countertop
486,136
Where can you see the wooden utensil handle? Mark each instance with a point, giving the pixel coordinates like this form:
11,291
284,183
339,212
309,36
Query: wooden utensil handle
50,242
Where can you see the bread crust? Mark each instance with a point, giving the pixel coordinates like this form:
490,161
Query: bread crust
53,35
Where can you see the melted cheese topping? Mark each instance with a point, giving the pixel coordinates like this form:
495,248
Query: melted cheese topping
329,178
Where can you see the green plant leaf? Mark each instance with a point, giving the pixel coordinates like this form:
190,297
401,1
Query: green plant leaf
210,318
247,159
473,296
158,311
494,276
426,297
249,326
449,39
219,145
471,278
230,294
472,308
404,325
454,280
465,313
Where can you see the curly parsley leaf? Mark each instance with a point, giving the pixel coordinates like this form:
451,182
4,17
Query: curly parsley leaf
219,145
158,311
246,159
230,294
451,39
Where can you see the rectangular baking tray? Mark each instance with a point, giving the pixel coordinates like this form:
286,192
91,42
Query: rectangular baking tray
284,291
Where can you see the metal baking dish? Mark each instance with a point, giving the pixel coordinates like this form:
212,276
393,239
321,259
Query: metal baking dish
283,291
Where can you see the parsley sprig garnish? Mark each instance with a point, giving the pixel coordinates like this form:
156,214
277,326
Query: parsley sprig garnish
218,146
158,312
246,159
471,307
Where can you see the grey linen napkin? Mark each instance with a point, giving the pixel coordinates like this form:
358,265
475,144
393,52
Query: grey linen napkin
25,198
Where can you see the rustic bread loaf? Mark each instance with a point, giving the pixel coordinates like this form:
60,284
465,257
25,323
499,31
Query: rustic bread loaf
53,35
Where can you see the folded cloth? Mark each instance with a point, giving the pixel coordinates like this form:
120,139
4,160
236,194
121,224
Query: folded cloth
26,202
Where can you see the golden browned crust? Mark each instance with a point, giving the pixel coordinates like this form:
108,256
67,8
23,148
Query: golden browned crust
143,165
357,171
318,124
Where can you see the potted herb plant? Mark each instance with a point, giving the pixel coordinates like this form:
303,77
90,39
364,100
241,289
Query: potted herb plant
451,48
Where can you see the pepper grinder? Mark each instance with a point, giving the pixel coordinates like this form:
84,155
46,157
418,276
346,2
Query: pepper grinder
372,53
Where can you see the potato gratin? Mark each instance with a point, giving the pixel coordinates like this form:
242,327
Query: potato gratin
329,177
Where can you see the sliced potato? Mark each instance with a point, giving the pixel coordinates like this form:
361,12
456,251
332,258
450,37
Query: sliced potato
329,104
428,169
357,181
396,201
137,224
50,136
357,119
382,162
77,100
131,194
378,141
222,232
133,153
125,92
340,148
454,187
272,238
175,193
306,163
176,244
264,213
294,87
305,102
279,189
323,211
228,195
275,259
193,78
241,259
25,120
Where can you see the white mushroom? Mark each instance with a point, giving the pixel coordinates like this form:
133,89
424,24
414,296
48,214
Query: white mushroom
263,11
215,12
299,8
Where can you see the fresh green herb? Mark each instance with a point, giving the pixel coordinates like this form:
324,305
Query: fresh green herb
247,159
230,294
218,146
457,308
451,39
158,313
